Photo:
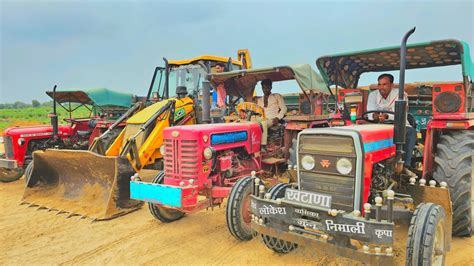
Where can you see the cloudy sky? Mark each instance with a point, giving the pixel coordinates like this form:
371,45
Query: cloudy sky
117,44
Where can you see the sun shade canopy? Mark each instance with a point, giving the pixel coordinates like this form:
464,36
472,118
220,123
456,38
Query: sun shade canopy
97,97
345,69
242,82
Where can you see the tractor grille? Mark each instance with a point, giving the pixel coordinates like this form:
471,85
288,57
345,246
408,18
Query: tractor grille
8,146
326,150
341,188
181,158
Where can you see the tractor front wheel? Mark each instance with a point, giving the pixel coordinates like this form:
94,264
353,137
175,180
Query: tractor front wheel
453,165
426,244
238,216
10,175
28,172
165,215
273,243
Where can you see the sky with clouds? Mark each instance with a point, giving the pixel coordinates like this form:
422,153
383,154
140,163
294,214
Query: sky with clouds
117,44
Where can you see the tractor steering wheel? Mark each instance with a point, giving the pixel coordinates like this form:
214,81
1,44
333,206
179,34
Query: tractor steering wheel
367,116
249,109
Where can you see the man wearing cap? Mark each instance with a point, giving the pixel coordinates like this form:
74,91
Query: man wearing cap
274,106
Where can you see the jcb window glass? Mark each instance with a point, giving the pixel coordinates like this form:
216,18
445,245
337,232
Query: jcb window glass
190,76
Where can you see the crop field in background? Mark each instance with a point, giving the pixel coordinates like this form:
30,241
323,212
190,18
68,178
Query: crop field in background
36,116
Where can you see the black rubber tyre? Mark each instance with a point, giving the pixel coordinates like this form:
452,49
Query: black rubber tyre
427,236
453,165
28,172
165,215
110,138
238,210
273,243
10,175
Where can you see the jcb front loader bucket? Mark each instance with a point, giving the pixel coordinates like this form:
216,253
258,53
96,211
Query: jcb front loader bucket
81,183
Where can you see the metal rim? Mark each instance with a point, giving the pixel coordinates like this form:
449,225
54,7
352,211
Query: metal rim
246,218
438,252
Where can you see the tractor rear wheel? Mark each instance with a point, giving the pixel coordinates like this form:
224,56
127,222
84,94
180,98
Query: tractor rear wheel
453,165
273,243
164,214
10,175
427,236
238,216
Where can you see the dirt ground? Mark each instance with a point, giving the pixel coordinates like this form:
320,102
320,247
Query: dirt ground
36,236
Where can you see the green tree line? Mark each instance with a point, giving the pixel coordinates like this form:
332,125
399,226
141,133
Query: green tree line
20,105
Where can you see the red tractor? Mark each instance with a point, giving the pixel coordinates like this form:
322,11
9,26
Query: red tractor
105,107
202,162
352,197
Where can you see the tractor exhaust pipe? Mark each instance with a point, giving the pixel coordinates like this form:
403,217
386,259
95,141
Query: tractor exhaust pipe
167,77
206,102
401,103
54,115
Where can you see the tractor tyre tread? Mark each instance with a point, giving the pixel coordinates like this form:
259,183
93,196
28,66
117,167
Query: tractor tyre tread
233,214
273,243
158,211
452,164
11,177
421,233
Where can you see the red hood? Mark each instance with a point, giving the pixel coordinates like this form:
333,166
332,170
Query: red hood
15,131
205,132
206,129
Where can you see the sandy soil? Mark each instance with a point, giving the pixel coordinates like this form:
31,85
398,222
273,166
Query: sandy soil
36,236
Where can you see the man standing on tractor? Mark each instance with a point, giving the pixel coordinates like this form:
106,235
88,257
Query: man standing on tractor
274,106
383,99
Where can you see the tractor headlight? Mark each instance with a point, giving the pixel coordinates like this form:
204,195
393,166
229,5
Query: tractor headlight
307,162
208,153
162,149
344,166
21,141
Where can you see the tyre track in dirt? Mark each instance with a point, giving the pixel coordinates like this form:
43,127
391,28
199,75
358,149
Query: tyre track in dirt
105,247
41,237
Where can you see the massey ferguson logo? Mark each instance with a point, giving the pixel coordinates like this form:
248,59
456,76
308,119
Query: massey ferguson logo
325,163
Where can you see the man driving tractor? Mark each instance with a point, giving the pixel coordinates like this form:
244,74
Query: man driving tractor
383,99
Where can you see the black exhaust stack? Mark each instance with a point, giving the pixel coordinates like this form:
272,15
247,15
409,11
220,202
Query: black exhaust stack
167,77
54,115
401,103
206,99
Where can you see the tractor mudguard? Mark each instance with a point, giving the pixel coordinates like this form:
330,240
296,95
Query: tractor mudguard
81,183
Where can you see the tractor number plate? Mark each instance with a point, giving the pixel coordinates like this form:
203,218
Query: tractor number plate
310,198
156,193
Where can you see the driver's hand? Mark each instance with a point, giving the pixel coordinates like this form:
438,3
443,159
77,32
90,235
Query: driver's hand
376,116
275,121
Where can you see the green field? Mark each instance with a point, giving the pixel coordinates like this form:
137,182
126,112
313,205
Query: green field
35,115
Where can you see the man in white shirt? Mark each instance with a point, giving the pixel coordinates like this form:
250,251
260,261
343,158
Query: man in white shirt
274,106
383,99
